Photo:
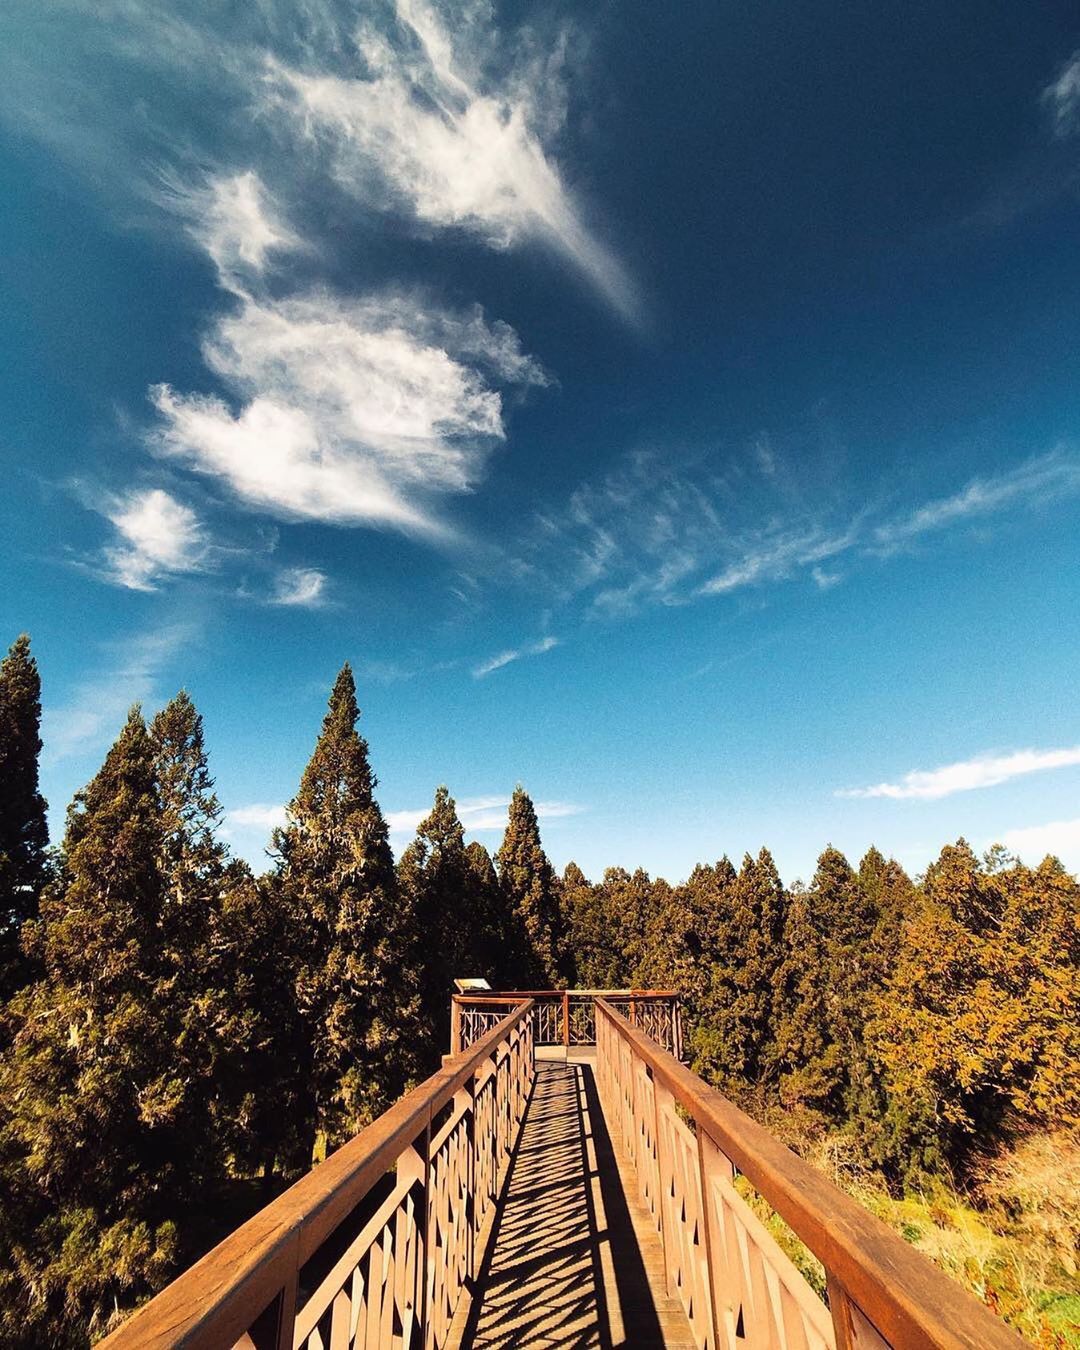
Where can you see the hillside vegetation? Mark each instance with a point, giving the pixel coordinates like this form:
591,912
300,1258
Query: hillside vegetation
179,1036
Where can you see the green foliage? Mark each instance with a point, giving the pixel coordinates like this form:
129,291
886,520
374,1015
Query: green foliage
94,1122
531,893
23,832
353,941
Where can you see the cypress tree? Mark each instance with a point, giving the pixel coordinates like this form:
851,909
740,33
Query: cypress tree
497,939
356,984
593,953
529,886
826,990
23,831
435,877
94,1172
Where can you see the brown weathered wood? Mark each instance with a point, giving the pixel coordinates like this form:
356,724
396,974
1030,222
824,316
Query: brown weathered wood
912,1304
214,1303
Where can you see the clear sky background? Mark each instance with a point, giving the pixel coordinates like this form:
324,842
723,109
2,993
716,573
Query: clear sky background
673,409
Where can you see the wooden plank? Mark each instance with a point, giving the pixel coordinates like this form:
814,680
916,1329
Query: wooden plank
899,1292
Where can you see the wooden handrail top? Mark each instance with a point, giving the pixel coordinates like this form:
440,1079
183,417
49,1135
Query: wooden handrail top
913,1304
213,1303
499,997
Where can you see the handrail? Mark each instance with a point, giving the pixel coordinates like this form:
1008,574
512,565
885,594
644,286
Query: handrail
882,1293
244,1291
565,1016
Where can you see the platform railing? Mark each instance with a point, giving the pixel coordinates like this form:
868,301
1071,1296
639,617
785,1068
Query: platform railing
687,1143
335,1261
567,1017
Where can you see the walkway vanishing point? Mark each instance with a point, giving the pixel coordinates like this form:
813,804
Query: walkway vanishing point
562,1181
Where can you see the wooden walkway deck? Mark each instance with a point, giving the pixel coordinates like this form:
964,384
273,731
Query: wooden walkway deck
572,1259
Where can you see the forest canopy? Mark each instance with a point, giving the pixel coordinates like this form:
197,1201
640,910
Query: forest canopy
180,1037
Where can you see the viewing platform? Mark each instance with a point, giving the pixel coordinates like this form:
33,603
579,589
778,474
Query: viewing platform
562,1181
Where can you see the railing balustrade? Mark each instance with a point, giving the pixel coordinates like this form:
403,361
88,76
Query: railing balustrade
315,1269
567,1017
738,1288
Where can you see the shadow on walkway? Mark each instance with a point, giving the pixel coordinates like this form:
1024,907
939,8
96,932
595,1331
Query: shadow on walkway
564,1266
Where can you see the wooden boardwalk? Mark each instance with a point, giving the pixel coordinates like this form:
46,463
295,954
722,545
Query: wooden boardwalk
572,1259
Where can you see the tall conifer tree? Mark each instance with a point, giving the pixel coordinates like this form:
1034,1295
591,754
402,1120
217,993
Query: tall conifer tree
23,832
93,1130
435,878
530,887
826,989
356,986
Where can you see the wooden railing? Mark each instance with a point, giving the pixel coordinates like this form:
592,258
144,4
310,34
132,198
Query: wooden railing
568,1016
738,1288
336,1262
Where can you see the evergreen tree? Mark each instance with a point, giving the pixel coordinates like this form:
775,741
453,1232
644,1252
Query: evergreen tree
825,990
356,985
94,1169
529,886
23,832
435,877
498,937
632,902
979,1029
593,953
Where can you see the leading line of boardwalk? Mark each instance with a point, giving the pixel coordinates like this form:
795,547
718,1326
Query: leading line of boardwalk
415,1233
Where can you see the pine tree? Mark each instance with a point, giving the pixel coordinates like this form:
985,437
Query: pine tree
435,877
356,985
94,1172
632,902
529,885
23,832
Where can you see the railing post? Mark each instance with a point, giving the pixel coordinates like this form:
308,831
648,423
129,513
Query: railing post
566,1018
853,1331
710,1158
455,1025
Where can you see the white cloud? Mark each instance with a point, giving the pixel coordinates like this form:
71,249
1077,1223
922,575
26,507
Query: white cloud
1062,97
504,658
655,532
232,218
966,775
1061,838
258,816
777,559
823,580
1042,479
480,815
351,412
161,537
422,131
301,586
97,707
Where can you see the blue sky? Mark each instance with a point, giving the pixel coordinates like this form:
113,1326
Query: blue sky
676,413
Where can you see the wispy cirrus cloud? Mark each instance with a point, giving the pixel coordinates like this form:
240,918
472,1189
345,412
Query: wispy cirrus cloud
96,707
982,771
651,532
425,129
1044,478
480,814
231,217
511,654
1061,98
301,587
159,537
